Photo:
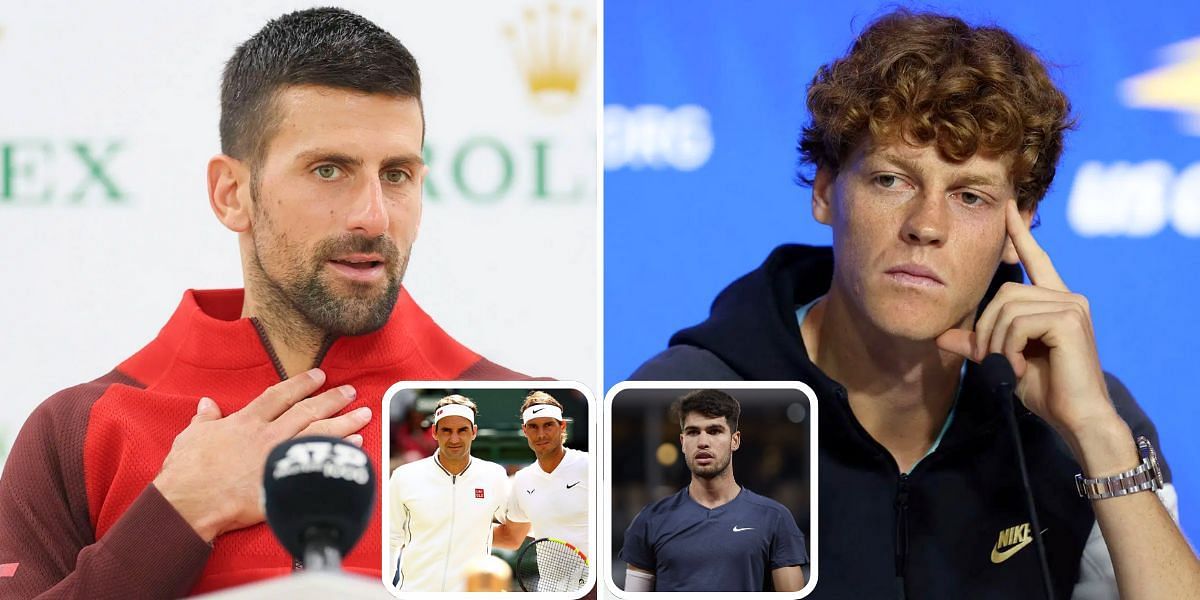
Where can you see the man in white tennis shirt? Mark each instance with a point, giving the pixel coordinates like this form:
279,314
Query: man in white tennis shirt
550,496
442,507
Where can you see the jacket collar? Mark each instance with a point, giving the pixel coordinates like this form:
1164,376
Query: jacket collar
207,331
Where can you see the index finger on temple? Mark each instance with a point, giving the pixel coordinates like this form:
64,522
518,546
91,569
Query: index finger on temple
1037,263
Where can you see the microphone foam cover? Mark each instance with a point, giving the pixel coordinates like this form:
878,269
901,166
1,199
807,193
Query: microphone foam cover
996,372
318,483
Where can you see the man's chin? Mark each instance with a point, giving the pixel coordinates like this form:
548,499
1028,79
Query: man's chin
358,311
359,326
922,323
707,472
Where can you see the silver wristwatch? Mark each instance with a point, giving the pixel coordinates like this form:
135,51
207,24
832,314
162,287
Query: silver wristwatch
1146,476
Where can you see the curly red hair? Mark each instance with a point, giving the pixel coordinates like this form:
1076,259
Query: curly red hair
933,79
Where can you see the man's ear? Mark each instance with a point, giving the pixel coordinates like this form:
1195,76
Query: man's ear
229,192
822,195
736,442
1010,252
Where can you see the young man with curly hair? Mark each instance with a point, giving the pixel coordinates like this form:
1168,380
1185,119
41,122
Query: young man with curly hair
933,142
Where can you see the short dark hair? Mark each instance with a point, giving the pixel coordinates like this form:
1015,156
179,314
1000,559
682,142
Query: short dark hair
319,46
925,78
710,403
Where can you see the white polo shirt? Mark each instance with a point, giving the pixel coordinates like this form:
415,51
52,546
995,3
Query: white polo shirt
555,504
441,521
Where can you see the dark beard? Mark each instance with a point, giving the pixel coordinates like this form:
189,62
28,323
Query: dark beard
303,291
712,472
355,315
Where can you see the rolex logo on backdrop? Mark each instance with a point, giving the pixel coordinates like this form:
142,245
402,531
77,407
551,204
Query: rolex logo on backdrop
551,160
554,49
488,169
37,171
42,171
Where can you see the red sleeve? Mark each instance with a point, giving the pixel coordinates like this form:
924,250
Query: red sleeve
47,541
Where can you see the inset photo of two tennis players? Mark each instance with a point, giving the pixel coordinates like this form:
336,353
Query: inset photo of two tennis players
505,466
710,488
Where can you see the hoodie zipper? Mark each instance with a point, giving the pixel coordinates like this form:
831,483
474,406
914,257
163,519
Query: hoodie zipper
322,350
901,539
900,504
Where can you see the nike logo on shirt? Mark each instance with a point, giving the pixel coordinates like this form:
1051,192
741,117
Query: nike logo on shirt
737,529
1015,538
573,485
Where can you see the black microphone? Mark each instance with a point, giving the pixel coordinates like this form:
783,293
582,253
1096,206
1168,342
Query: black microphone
1001,381
319,492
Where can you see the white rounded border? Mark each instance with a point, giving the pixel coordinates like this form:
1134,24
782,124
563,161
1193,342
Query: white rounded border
549,386
606,514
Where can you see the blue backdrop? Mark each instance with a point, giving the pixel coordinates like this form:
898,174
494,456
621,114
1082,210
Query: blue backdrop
703,105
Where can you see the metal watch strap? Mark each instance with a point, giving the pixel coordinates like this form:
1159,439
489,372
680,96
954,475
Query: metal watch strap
1137,479
1145,476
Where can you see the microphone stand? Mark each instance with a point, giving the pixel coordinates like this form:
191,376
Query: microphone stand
320,550
1003,388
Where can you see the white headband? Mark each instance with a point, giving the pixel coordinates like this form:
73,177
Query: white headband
538,411
454,410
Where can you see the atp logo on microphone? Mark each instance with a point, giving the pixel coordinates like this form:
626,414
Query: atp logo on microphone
334,461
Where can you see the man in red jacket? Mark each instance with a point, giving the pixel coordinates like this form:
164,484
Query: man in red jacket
146,482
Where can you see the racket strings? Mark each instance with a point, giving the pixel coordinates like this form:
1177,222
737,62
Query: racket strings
552,566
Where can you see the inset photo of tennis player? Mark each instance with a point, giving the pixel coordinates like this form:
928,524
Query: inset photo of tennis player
710,487
490,488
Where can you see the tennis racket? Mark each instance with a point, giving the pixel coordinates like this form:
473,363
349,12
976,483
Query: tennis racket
550,565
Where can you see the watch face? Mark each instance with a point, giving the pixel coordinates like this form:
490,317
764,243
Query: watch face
1146,450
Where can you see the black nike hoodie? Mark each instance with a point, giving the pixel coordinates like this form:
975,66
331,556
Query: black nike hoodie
951,527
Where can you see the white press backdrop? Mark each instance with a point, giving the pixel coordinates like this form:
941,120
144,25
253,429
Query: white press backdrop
110,113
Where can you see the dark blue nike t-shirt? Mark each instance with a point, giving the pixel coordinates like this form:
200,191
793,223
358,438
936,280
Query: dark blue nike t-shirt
730,548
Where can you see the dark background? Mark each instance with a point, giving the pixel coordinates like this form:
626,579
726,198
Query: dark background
647,463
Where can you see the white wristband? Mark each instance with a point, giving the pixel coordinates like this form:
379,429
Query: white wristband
638,581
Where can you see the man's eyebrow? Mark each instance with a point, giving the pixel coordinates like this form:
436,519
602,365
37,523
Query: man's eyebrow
337,158
404,160
977,180
899,161
959,178
343,159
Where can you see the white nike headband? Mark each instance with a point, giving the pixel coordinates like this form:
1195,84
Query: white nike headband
538,411
454,410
